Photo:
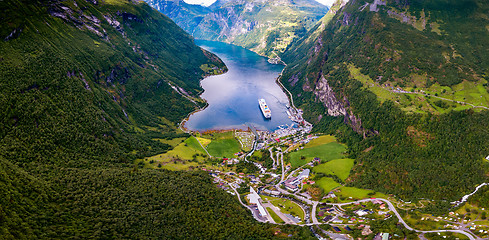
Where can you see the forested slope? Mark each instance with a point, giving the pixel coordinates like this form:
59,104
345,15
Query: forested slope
85,90
266,27
404,78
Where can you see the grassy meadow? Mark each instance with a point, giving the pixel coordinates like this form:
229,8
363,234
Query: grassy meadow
325,152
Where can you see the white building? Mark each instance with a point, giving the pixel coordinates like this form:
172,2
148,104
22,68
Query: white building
255,199
304,174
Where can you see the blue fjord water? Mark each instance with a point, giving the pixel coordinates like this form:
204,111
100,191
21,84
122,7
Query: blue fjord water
233,96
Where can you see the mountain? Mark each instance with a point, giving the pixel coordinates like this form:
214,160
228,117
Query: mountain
266,27
87,87
187,16
410,80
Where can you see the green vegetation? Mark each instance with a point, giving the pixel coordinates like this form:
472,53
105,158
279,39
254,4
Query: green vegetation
224,147
275,217
186,155
358,193
327,184
481,198
321,140
270,26
223,144
403,143
435,99
286,206
325,152
84,93
338,167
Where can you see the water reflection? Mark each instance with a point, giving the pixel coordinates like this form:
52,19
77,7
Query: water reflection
233,96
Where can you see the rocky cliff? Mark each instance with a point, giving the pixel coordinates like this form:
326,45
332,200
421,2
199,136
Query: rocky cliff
407,78
266,27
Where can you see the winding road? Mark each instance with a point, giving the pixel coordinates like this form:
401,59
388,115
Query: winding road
393,209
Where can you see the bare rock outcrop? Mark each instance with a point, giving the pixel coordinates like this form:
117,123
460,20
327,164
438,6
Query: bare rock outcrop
325,94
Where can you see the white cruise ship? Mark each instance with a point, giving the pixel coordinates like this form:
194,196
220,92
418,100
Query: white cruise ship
264,108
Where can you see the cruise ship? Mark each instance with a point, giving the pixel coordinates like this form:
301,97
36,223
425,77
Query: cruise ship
264,108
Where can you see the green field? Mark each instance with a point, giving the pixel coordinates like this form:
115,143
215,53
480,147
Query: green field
466,91
172,142
321,140
286,206
338,167
177,158
224,147
327,184
274,216
326,152
222,144
358,193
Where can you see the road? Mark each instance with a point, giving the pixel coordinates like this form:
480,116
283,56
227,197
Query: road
255,213
393,209
203,147
442,98
283,167
278,212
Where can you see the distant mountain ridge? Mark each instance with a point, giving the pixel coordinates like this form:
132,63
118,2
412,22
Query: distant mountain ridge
266,27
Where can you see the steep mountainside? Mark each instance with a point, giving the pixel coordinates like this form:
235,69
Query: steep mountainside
409,78
187,16
86,87
266,27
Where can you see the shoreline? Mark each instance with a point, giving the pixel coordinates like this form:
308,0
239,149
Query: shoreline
244,127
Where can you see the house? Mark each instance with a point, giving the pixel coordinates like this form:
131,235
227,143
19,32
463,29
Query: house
487,158
271,192
337,221
337,229
330,195
376,201
291,187
366,231
327,218
385,236
320,213
291,184
361,213
304,174
378,236
347,228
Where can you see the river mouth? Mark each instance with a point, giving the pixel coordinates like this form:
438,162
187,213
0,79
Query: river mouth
233,97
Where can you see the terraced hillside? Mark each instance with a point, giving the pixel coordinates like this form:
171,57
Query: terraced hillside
409,79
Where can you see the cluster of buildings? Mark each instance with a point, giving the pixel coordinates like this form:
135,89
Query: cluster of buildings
292,184
285,135
230,161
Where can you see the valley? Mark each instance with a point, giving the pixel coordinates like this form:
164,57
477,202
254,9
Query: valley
118,124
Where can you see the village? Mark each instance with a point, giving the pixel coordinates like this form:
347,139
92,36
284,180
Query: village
277,195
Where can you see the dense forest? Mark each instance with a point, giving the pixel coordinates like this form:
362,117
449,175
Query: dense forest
85,89
412,154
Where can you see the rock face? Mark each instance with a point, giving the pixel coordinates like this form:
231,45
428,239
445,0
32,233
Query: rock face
266,27
326,95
